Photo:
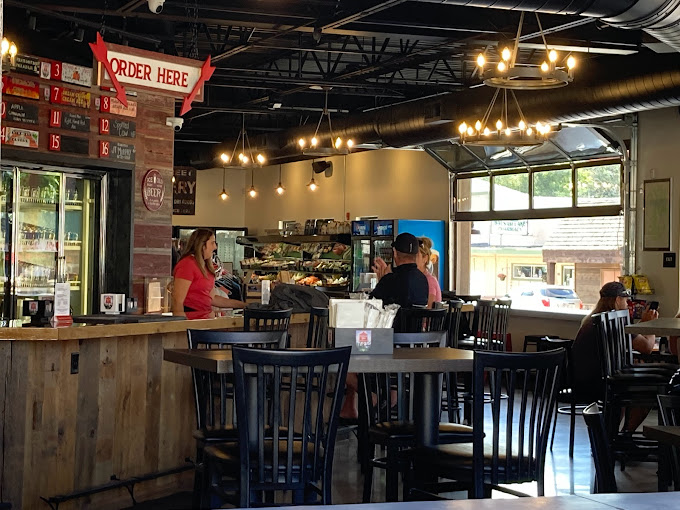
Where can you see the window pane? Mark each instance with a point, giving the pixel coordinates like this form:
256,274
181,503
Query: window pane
511,192
552,189
599,185
473,194
546,265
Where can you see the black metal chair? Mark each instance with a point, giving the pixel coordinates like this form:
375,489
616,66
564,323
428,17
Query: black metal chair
317,331
255,319
420,320
669,415
450,397
489,325
214,393
386,405
286,438
517,437
605,481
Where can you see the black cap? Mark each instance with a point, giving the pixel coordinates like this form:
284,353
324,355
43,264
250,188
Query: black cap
406,243
614,289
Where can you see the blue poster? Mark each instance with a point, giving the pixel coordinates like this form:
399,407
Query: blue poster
435,231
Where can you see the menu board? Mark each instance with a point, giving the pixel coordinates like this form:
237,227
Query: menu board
19,137
13,86
20,112
117,150
69,97
26,65
108,104
68,120
63,143
117,127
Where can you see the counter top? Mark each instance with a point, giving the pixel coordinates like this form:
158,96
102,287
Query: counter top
114,330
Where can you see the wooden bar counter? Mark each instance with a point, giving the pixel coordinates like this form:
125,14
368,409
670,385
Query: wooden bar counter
125,413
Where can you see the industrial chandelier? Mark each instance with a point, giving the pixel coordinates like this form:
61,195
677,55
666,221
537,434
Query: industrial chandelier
337,145
245,158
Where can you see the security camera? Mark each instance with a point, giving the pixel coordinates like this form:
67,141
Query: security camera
155,6
174,122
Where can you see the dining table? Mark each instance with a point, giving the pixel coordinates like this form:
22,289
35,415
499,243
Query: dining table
428,366
663,326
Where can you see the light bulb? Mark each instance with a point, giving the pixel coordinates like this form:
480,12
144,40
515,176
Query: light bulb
530,131
462,129
260,159
470,131
545,67
4,46
245,160
224,195
539,127
240,156
571,62
552,56
481,60
506,54
522,125
499,124
173,179
350,143
508,132
478,125
486,131
547,129
302,143
280,189
13,50
502,67
252,192
338,142
312,185
314,141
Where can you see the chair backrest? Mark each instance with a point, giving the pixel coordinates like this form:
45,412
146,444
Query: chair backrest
266,320
605,481
418,320
501,323
288,403
317,331
517,442
490,324
213,393
613,343
453,322
669,411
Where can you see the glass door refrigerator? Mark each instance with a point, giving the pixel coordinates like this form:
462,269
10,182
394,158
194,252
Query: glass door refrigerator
56,220
361,253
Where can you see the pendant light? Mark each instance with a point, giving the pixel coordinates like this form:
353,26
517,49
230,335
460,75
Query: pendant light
280,189
252,191
224,195
312,185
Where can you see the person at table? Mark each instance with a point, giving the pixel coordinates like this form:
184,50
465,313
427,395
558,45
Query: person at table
589,385
423,262
194,292
404,285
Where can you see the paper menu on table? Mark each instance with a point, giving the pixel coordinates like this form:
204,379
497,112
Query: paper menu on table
153,297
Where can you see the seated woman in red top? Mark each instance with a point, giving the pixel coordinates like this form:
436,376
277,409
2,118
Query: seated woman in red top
194,295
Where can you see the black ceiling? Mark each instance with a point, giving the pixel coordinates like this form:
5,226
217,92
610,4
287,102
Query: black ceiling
372,54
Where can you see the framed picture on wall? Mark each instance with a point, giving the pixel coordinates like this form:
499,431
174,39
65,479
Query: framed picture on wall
656,235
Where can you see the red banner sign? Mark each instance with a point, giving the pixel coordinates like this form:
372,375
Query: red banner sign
12,86
69,97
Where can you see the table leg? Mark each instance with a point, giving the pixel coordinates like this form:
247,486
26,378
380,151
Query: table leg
427,407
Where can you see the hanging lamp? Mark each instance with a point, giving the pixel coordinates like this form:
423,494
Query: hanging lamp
280,189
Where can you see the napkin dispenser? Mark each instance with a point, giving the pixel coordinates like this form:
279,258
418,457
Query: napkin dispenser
112,303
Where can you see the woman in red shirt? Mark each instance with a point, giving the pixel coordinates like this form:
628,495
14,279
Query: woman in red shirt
194,295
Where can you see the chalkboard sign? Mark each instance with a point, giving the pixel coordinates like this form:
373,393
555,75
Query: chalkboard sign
27,65
75,122
19,112
123,128
73,144
184,191
116,150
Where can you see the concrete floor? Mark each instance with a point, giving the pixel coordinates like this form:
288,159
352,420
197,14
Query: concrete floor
562,474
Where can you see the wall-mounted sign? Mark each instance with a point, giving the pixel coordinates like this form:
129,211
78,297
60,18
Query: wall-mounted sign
68,120
184,191
117,127
107,104
517,227
178,77
69,97
118,151
153,190
73,144
12,86
20,112
27,65
69,73
19,137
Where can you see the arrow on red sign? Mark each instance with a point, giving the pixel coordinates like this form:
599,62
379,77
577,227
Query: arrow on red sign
101,54
206,72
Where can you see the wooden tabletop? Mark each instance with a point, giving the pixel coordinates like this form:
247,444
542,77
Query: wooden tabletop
437,359
660,327
663,434
643,501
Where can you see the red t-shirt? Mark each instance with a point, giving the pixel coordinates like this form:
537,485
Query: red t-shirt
198,296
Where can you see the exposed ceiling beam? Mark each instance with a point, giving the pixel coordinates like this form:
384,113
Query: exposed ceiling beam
362,14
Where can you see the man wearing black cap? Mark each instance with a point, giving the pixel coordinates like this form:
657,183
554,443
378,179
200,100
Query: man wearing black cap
406,285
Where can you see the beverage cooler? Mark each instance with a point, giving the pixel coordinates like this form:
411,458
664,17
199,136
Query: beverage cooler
227,250
373,238
50,223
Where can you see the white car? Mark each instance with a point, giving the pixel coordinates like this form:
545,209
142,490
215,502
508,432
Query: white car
544,297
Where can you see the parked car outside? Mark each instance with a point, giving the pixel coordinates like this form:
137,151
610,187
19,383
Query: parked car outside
545,297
